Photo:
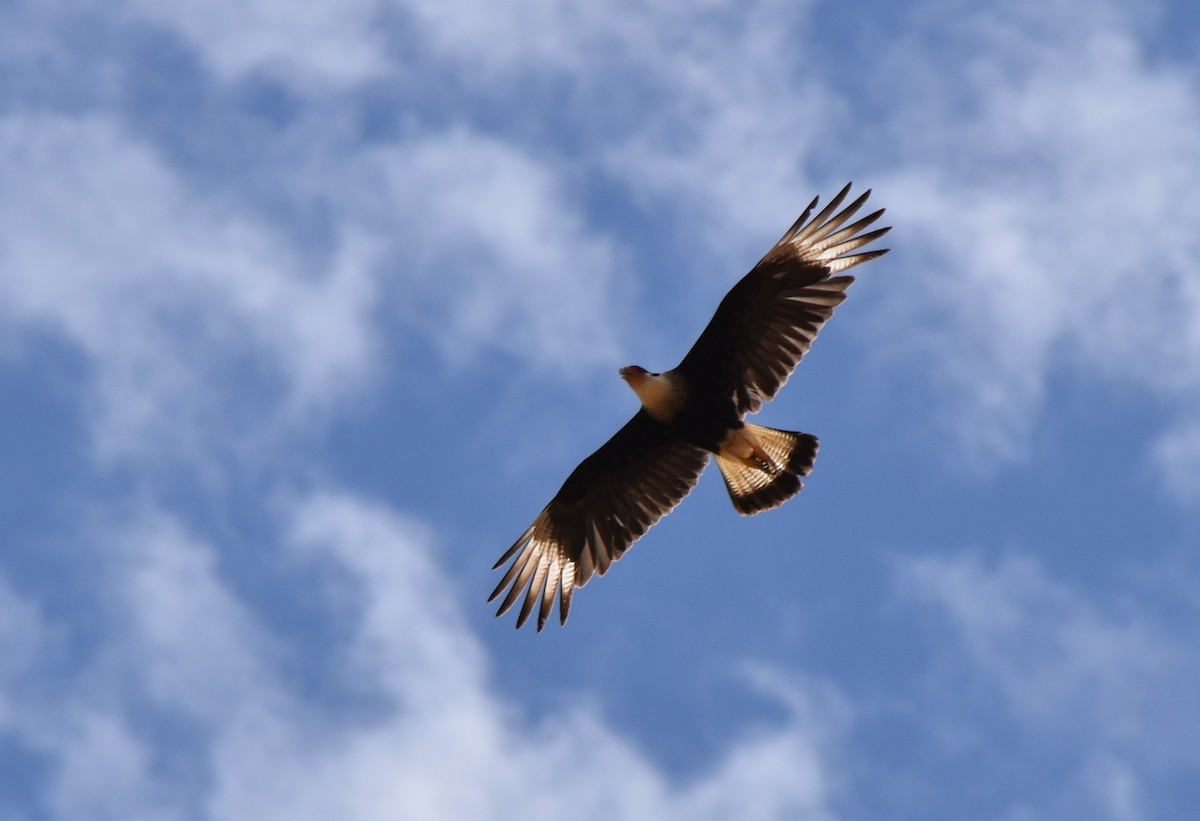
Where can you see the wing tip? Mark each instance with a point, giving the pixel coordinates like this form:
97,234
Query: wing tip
819,239
541,570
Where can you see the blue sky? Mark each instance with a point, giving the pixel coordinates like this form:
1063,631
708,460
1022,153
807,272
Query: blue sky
306,310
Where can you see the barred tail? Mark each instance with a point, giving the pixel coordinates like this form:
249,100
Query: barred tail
759,484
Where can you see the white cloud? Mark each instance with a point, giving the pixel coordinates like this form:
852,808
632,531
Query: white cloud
704,110
22,632
311,46
97,766
176,643
496,254
1057,212
737,120
164,289
1109,685
190,642
1114,788
1061,659
161,290
196,314
1175,458
1055,230
497,42
102,770
1045,190
1044,193
446,729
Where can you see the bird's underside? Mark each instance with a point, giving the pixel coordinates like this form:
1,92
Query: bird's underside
761,330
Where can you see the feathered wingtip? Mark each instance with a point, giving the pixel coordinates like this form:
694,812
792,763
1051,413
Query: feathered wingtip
819,239
540,570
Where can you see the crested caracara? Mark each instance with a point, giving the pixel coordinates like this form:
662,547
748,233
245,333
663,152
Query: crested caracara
760,332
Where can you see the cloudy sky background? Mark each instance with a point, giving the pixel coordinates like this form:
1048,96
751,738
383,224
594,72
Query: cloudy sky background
307,309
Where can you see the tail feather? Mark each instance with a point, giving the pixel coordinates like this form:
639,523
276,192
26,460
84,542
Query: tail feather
754,488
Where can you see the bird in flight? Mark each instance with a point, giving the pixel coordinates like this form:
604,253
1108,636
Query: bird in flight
760,332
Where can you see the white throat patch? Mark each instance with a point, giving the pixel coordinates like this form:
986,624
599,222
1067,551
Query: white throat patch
661,395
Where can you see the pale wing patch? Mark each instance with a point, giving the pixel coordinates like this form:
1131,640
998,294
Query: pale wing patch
793,318
565,547
819,240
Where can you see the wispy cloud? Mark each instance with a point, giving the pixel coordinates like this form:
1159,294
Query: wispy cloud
1033,184
1056,215
160,289
181,645
1045,196
314,48
164,282
1045,190
1108,682
489,252
705,111
1176,459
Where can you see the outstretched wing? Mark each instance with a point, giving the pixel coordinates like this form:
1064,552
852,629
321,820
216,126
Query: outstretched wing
606,504
767,322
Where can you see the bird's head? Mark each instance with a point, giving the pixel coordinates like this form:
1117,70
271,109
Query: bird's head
659,392
634,375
